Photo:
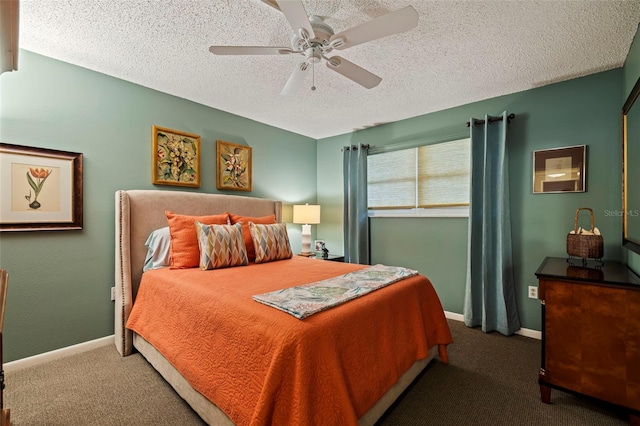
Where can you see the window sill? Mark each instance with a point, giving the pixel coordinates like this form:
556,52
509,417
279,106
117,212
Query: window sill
436,212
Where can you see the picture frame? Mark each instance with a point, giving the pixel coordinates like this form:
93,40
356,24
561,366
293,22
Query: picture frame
41,189
318,244
175,157
233,164
560,170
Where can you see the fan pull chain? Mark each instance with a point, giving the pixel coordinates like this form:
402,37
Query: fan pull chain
313,76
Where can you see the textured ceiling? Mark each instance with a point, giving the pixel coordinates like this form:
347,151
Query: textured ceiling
460,52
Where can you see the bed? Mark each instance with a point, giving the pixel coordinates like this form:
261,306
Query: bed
270,367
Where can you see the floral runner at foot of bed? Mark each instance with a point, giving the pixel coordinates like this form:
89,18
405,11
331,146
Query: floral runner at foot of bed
308,299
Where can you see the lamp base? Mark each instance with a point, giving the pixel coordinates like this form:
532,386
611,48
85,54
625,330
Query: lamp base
306,239
307,254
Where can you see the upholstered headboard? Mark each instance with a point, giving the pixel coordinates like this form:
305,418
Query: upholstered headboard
138,213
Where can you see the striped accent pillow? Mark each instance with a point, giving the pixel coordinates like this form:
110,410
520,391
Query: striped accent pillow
221,246
270,241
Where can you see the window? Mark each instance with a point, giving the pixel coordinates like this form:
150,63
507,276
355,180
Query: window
428,180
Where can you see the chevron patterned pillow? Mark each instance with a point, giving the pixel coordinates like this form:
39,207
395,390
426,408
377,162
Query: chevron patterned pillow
221,246
270,241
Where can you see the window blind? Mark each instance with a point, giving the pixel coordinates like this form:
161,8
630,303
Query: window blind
391,179
428,176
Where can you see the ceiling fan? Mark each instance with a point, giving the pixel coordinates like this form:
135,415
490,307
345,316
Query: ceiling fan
313,39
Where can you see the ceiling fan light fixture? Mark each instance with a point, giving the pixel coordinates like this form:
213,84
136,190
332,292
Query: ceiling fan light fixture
313,55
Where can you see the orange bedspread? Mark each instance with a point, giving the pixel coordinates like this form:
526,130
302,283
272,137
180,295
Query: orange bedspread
262,366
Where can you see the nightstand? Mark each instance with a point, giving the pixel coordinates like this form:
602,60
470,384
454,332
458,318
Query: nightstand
333,257
306,254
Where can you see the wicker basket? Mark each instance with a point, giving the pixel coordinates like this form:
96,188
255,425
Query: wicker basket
585,246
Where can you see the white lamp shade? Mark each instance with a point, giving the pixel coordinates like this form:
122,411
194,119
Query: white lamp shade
306,214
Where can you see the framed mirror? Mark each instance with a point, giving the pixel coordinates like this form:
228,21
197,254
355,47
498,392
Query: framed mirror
631,170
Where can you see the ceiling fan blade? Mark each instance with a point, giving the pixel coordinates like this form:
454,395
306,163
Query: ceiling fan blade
249,50
392,23
353,72
296,79
296,15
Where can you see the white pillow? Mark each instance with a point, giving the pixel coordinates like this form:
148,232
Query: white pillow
158,248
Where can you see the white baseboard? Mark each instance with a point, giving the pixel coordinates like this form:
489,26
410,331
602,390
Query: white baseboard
454,316
58,353
526,332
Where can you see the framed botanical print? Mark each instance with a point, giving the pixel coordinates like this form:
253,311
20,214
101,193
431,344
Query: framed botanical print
176,157
41,189
234,166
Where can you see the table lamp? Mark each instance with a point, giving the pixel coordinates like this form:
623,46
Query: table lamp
306,215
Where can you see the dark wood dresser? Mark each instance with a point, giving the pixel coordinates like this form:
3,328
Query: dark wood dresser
591,331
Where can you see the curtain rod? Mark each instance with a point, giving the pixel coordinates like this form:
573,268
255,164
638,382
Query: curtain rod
492,119
355,147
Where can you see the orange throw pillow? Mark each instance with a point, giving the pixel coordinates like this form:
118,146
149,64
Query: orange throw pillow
246,233
184,251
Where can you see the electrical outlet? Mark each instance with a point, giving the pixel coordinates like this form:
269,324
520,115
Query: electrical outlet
533,292
113,293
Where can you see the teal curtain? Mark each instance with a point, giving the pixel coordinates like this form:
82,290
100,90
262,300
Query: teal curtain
490,290
356,219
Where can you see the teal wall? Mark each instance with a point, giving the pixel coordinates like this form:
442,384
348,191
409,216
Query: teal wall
60,281
580,111
631,74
